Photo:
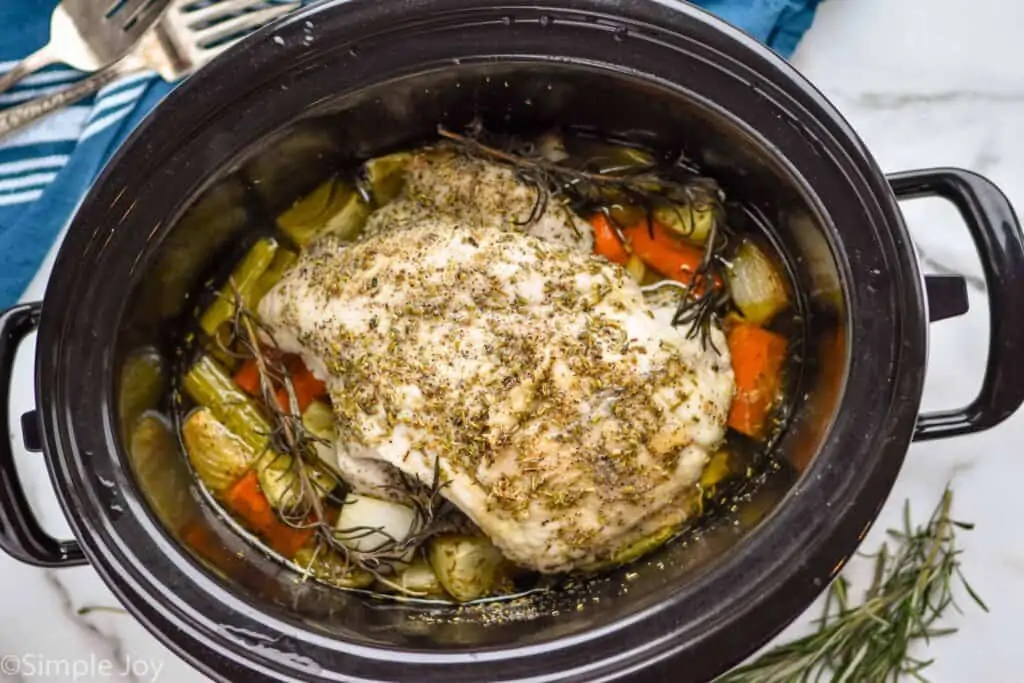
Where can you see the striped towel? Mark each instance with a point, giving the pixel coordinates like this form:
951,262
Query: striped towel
46,170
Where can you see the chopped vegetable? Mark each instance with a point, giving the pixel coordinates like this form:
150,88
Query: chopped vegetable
551,147
220,347
248,377
335,207
469,567
247,500
290,163
327,565
319,420
283,260
386,175
636,268
641,547
367,524
281,484
623,157
609,157
158,467
716,471
758,289
606,240
209,385
244,282
757,357
143,381
417,578
218,456
660,249
305,384
694,222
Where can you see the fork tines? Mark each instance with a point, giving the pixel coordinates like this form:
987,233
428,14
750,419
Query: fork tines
212,24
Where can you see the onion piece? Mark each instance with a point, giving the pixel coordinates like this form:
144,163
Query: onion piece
418,579
370,523
758,289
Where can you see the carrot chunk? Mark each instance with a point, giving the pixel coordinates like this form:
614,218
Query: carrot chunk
248,377
659,248
246,499
606,240
757,357
307,387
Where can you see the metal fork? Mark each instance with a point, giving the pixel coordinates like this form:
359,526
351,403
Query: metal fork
186,37
89,34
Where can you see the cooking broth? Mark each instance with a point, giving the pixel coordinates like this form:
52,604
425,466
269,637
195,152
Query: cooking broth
258,426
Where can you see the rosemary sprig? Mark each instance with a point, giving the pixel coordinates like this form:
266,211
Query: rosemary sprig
608,188
290,437
912,588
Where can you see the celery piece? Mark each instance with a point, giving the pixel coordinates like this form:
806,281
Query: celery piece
244,281
220,348
330,567
143,382
283,260
716,471
209,385
691,221
386,176
641,547
160,470
332,208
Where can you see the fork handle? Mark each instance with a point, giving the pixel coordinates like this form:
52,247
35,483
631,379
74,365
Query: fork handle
17,117
34,62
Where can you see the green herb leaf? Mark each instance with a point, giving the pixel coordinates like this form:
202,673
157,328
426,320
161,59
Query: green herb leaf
912,586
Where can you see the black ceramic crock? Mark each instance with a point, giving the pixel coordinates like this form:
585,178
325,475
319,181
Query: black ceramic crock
341,81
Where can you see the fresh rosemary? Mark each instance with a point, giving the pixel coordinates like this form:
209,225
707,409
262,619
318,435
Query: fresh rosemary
291,439
612,188
912,588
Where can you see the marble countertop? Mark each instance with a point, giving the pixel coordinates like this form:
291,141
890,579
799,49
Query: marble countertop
925,83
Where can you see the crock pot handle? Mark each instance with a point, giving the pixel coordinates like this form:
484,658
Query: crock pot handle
21,537
997,237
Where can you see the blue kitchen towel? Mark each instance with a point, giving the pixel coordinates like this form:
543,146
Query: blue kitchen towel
47,169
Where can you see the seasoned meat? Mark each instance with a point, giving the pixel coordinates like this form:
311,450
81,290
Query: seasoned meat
445,185
568,421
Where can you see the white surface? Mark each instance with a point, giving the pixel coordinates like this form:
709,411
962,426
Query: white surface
925,82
